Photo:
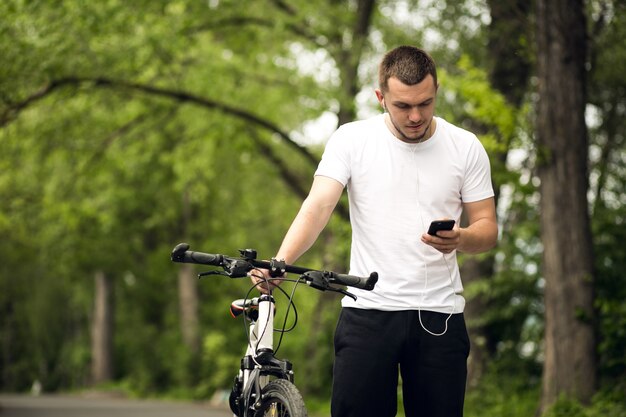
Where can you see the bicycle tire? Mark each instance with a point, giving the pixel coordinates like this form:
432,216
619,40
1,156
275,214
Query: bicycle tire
281,398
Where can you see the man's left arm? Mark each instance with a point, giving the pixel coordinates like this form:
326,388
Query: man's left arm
481,234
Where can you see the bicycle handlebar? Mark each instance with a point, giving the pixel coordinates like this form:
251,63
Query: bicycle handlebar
237,267
183,255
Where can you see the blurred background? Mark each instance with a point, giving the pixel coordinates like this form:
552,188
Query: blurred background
127,127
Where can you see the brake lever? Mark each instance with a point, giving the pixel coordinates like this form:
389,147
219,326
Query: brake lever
237,268
320,280
204,274
316,279
344,292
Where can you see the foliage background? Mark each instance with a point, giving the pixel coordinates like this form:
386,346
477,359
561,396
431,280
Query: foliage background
127,127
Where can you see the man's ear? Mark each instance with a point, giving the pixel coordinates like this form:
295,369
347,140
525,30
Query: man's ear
381,98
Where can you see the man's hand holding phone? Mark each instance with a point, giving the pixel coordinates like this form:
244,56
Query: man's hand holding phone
442,235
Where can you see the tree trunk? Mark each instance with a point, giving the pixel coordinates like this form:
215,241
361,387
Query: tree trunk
102,331
188,291
348,59
188,297
569,366
472,270
508,53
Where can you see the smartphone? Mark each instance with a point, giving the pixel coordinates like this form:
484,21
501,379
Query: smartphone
438,225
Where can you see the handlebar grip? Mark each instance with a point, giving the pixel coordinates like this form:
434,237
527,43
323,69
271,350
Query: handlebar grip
183,255
364,283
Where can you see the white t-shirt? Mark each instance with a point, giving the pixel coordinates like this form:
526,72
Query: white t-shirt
395,190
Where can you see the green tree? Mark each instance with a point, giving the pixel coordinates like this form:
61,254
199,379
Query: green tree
570,365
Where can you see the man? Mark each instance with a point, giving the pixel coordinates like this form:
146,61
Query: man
403,169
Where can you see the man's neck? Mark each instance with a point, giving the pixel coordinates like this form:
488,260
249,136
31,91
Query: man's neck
427,135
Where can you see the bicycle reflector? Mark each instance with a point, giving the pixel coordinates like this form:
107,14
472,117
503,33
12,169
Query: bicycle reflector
249,306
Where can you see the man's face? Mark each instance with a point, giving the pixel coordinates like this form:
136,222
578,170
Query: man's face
410,107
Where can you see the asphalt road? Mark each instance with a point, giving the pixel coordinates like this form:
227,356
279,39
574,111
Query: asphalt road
85,406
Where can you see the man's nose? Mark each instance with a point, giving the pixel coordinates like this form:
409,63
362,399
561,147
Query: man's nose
414,114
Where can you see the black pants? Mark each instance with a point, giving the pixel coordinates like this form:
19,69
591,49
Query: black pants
370,347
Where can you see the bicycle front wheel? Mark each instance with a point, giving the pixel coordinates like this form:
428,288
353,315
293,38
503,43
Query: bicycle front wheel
281,398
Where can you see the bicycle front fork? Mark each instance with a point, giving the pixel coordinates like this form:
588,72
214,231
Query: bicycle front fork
259,354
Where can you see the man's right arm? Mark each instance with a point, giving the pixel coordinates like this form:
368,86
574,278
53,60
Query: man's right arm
305,228
311,219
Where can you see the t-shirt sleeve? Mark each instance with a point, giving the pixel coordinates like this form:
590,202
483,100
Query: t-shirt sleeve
477,185
335,161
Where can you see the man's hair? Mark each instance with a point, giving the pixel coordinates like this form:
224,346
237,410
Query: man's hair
408,64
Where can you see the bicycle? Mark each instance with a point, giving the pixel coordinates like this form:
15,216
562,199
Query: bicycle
264,385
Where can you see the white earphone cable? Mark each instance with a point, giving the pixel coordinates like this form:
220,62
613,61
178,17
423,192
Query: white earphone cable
443,256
